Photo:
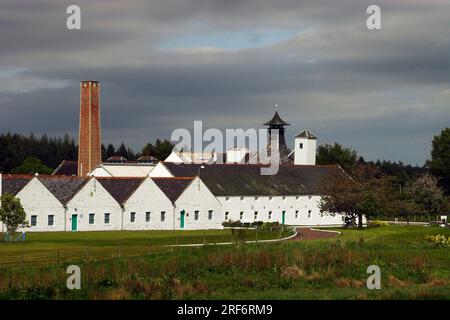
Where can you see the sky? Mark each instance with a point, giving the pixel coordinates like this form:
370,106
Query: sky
164,63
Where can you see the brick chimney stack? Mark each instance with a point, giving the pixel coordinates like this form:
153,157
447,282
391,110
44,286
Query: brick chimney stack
89,143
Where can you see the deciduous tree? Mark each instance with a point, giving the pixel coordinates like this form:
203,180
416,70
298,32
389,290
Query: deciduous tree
360,193
12,213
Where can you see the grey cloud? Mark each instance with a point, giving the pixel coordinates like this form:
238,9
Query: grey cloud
382,92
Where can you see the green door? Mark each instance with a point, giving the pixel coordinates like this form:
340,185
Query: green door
283,217
182,213
74,222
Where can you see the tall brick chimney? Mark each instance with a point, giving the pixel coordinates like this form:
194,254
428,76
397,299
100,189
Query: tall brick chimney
89,143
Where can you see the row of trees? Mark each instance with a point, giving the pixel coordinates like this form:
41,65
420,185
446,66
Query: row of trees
382,188
438,166
31,154
365,191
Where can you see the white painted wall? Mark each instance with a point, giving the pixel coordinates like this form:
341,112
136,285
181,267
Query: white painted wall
37,201
174,157
236,155
307,154
148,198
197,197
93,198
160,171
307,207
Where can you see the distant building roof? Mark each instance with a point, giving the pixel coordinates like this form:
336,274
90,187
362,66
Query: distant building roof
147,159
276,120
66,168
246,180
114,159
306,134
63,188
13,183
120,188
173,187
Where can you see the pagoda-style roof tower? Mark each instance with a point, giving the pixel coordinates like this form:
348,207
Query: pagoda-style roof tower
277,123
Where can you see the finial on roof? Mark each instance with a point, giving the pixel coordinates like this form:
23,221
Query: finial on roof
275,107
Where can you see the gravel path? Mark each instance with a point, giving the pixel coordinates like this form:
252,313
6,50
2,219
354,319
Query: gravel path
309,234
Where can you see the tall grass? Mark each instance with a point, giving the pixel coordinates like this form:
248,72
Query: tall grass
309,269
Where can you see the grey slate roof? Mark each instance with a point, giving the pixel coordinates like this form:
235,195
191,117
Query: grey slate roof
13,183
276,120
66,168
306,134
63,187
120,188
173,187
246,180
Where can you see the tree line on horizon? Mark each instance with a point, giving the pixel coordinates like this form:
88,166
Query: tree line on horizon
42,154
29,153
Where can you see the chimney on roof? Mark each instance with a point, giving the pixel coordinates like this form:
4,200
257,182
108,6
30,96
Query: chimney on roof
89,143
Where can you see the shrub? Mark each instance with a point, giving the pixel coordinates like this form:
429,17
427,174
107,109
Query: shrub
377,223
438,240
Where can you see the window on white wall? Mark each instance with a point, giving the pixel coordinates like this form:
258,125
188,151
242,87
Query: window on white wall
256,198
51,219
300,145
242,199
147,216
196,214
210,214
133,217
296,214
227,215
241,215
284,198
227,199
309,213
270,215
270,198
91,218
33,221
297,198
163,216
256,215
107,218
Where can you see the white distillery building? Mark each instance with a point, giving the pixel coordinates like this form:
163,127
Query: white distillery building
177,193
184,196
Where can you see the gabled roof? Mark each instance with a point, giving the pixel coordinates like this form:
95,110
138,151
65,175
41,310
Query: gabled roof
66,168
13,183
173,187
120,188
276,120
246,180
63,188
306,134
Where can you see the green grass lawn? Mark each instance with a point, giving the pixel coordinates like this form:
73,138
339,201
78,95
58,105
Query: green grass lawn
411,268
47,248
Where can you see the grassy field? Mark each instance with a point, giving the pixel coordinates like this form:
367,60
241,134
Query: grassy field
411,268
49,248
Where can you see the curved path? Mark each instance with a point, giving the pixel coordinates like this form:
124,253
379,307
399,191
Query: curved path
313,234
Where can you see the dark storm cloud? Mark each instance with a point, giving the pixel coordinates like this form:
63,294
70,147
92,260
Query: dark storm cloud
384,93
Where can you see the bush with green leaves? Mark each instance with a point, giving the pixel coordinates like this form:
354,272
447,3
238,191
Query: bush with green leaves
12,213
438,239
377,223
